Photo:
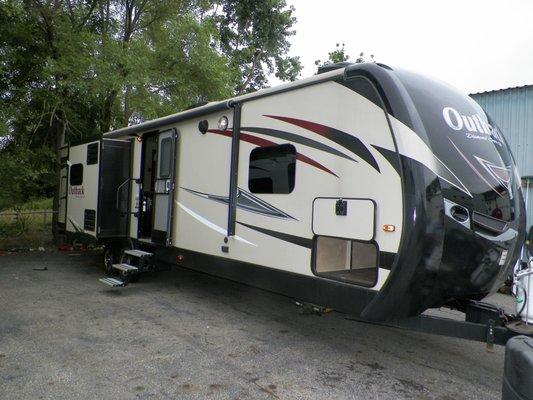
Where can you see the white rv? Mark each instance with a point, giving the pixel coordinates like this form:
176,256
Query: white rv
368,189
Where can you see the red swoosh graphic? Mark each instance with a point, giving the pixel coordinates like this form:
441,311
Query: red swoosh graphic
474,168
322,130
346,140
246,137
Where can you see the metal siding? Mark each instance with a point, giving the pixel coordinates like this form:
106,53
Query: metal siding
512,110
529,204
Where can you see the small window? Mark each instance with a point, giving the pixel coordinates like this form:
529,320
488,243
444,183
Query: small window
76,174
92,153
89,220
272,169
346,260
164,159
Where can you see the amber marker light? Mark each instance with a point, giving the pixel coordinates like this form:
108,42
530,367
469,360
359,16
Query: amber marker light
389,228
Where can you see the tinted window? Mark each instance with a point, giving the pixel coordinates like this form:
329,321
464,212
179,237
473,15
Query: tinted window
92,154
164,159
272,169
477,164
89,220
76,174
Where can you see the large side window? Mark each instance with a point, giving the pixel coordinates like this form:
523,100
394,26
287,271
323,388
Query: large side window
272,169
76,174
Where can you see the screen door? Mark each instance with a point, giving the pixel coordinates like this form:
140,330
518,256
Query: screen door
164,187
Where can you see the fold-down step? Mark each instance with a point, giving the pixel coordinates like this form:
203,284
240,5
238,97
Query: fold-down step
125,267
112,282
137,253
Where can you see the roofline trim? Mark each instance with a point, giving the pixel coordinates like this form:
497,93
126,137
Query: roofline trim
218,106
168,120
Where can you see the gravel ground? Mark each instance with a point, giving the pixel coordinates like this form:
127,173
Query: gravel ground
183,335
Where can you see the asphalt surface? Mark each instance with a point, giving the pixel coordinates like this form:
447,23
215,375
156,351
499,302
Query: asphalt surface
183,335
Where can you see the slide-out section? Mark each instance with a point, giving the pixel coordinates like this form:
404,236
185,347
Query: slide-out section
81,183
97,182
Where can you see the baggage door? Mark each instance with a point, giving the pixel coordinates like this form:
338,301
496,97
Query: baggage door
115,188
164,187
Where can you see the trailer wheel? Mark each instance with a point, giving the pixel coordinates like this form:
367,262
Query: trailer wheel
109,258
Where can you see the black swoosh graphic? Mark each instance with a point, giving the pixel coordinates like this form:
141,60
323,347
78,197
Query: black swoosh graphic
298,240
246,201
344,139
390,156
292,137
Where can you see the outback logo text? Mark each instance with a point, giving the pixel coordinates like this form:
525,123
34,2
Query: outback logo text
78,191
474,124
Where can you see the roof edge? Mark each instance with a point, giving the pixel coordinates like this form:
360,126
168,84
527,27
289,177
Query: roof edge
168,120
502,89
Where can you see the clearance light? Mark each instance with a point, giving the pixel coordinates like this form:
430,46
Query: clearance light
223,123
389,228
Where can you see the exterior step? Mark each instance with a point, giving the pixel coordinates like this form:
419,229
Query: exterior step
112,282
137,253
125,267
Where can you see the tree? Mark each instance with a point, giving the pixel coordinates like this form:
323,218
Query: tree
254,36
339,55
71,70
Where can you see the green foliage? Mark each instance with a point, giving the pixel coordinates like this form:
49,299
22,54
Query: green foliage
75,69
254,36
97,65
38,204
339,55
25,175
102,65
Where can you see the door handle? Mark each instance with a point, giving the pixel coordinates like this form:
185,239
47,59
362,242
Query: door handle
119,188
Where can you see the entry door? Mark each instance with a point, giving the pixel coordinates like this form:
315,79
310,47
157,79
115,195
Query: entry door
164,187
115,186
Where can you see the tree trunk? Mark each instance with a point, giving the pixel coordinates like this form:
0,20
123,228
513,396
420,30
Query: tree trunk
107,110
58,128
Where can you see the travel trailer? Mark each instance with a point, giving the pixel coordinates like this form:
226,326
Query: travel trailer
372,190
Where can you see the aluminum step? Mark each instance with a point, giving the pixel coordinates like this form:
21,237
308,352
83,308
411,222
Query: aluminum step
125,267
137,253
112,282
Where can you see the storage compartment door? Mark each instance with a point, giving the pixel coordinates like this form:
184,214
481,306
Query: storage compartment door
344,218
115,188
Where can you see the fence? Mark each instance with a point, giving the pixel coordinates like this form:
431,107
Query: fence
25,229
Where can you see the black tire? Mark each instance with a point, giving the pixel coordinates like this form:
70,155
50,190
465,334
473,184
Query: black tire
109,258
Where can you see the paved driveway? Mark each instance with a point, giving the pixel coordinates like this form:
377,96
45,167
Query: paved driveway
182,335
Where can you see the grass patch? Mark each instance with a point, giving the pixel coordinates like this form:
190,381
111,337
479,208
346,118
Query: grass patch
27,225
36,204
